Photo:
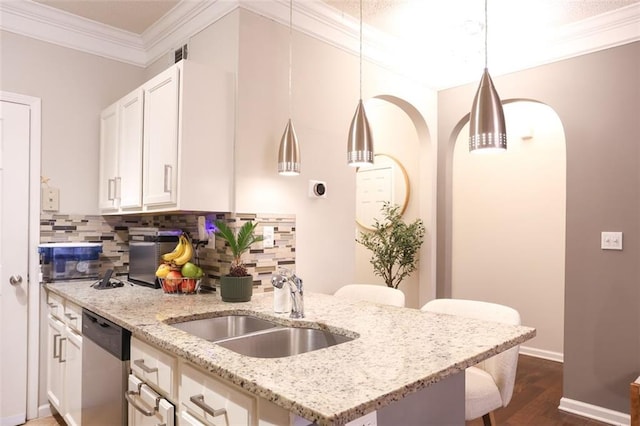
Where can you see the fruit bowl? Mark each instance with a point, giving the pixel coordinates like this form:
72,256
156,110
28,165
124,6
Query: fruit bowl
180,285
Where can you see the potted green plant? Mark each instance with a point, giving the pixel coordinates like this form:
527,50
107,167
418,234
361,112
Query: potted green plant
394,245
237,285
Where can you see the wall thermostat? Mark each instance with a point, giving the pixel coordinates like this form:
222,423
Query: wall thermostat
317,189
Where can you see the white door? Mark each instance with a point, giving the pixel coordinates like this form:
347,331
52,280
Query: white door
14,260
108,158
130,110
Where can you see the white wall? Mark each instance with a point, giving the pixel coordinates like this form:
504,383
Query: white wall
74,88
509,222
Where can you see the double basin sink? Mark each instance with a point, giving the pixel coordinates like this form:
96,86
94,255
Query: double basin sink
257,337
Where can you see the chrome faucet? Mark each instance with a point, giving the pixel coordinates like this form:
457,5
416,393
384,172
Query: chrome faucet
285,276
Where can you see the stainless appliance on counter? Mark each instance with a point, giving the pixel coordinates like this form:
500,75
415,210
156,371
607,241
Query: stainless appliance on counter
146,246
105,367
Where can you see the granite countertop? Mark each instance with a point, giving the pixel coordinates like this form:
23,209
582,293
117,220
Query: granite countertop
398,350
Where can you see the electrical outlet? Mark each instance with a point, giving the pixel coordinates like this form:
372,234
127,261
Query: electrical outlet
268,236
611,241
203,235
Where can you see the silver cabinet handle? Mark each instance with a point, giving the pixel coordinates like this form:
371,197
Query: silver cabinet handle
118,189
199,401
110,189
52,305
60,360
55,337
140,363
15,280
167,177
71,317
129,395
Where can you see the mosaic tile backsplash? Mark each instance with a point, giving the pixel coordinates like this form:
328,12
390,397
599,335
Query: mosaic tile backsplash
214,258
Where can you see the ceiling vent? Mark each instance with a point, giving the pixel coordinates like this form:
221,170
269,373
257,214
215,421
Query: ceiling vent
180,54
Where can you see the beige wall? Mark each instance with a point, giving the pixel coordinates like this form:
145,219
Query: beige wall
325,94
509,223
597,99
74,88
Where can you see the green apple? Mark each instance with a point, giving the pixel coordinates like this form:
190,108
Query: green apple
190,270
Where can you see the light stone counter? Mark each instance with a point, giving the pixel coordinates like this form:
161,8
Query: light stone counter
398,350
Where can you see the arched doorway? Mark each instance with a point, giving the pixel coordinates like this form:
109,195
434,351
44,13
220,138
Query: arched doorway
508,223
400,131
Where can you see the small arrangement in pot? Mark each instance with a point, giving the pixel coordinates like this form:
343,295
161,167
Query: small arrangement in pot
237,285
176,273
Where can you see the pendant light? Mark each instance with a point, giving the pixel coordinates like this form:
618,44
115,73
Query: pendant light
487,129
360,143
289,152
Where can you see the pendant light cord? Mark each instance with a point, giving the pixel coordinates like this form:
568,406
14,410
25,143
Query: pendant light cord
486,31
290,50
360,49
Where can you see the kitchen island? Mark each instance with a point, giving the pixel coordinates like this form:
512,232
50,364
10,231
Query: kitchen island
397,353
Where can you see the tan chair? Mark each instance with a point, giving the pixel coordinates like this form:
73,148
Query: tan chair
372,293
489,384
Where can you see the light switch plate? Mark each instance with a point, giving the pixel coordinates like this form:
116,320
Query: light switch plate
50,199
611,241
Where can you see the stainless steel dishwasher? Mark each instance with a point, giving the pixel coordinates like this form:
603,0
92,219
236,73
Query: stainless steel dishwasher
105,367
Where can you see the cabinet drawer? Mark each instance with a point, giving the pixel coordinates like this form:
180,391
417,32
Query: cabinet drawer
155,367
73,316
203,396
56,305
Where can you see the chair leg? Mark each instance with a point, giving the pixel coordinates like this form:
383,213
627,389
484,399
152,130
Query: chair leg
488,419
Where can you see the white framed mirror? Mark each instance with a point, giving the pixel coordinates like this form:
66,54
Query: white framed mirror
386,180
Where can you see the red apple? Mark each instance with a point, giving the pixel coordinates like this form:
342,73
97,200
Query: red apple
188,285
172,282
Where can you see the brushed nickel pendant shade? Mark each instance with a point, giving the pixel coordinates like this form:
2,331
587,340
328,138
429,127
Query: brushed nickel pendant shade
487,128
289,152
360,143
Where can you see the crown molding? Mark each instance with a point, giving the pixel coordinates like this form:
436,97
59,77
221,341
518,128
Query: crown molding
52,25
313,18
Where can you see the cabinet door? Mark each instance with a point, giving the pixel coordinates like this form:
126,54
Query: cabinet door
203,397
147,408
160,171
55,371
129,180
108,158
72,360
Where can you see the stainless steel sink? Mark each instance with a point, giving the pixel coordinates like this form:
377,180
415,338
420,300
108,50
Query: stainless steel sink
283,342
223,327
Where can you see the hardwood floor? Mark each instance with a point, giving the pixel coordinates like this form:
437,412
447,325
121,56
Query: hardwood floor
536,397
535,401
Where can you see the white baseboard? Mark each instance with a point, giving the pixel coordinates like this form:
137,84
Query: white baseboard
541,353
44,411
594,412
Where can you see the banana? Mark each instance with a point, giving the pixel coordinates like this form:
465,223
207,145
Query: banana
186,254
177,251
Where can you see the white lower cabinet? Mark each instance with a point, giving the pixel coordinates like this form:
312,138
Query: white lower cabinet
146,407
64,359
213,402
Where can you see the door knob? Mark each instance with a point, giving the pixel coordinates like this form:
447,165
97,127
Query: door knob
15,280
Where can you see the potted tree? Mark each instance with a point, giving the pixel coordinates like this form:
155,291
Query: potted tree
394,245
237,285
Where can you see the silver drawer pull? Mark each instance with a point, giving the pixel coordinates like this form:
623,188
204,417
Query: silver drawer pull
52,305
62,339
140,363
71,317
199,401
55,338
130,397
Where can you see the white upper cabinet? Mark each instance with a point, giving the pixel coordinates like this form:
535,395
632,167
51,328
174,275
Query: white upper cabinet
161,95
129,182
174,144
108,158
